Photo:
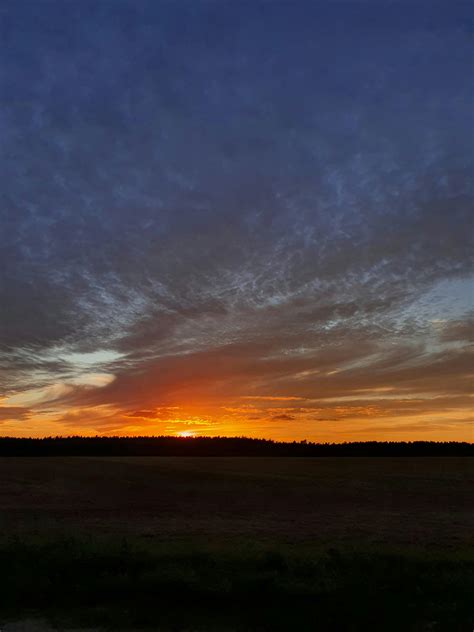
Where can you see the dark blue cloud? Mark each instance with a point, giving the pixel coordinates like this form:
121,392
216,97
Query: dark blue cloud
180,176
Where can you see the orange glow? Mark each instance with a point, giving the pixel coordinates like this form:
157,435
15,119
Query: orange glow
363,418
343,408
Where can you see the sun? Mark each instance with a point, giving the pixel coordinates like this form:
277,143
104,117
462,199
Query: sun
185,433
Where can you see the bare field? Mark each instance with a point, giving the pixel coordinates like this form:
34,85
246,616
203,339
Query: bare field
414,502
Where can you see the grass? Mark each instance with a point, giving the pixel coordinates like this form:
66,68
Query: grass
238,544
244,587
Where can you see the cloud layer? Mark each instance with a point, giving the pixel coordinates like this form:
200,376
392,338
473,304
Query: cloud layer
247,219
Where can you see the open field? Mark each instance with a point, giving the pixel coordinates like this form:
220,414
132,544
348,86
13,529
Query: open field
408,501
242,543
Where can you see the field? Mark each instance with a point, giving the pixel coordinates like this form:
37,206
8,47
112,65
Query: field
238,543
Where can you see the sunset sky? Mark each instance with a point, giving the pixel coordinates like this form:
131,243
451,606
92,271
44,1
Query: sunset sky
236,218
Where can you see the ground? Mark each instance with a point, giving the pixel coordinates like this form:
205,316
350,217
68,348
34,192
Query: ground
106,540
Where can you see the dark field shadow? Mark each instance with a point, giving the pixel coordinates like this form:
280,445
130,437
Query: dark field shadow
126,585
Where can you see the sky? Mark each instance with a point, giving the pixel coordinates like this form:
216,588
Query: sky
236,218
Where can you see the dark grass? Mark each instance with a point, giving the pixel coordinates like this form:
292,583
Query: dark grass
125,584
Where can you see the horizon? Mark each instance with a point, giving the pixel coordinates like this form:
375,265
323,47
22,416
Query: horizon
223,437
237,219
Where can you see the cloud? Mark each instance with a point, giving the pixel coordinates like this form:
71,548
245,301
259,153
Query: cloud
458,330
270,398
142,414
195,226
283,417
14,413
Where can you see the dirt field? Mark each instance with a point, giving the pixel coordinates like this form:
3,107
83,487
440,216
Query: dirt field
425,502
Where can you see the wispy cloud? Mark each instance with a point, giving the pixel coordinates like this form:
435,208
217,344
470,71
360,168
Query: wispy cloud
189,228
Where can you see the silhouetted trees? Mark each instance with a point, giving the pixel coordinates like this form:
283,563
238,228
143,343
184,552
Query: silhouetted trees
221,446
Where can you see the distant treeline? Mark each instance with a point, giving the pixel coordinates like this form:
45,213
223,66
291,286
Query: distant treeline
221,446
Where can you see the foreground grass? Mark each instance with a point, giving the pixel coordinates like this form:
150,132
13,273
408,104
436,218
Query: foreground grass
185,586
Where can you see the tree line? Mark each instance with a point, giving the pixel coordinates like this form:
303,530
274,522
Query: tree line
221,446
